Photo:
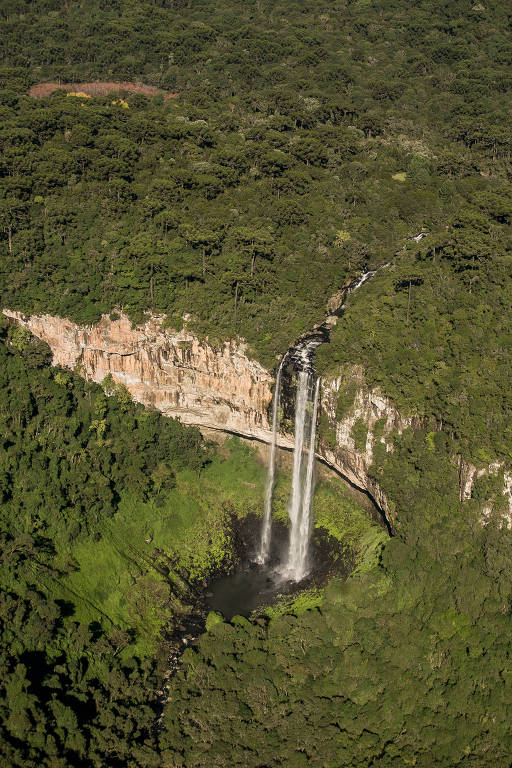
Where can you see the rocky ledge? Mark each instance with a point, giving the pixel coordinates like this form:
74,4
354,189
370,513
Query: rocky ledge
173,371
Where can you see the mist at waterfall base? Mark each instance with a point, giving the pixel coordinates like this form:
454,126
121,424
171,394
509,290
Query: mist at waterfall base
250,585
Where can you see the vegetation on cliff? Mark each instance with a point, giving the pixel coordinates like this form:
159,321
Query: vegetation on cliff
309,140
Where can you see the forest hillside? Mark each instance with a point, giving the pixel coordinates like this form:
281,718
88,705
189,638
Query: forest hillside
270,153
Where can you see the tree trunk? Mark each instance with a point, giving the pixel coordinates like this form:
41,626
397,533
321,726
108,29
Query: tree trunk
204,261
252,262
9,235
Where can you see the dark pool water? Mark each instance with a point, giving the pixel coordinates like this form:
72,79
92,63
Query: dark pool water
248,588
252,586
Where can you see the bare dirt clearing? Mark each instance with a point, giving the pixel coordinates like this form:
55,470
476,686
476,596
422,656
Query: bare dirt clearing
40,90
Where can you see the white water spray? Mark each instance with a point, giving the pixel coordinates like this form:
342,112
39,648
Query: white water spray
301,565
295,507
266,529
302,480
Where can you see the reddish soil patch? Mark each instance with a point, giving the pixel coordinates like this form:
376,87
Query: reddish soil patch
99,89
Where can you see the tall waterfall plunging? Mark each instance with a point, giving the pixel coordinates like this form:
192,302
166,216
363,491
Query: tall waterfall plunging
266,529
295,505
299,509
300,360
300,562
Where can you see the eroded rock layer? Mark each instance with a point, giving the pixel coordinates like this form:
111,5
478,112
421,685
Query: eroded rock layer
212,388
222,388
172,371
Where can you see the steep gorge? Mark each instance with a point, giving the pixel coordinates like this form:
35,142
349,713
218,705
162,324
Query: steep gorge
222,388
212,388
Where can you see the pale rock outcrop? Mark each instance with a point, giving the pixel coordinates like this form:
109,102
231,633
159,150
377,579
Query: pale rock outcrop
469,473
369,406
187,378
172,371
507,491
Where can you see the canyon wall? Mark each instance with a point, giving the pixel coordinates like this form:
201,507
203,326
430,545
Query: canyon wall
187,378
381,419
340,450
224,389
172,371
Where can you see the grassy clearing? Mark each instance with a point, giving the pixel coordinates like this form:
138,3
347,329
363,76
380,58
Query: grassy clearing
294,604
114,577
191,528
339,514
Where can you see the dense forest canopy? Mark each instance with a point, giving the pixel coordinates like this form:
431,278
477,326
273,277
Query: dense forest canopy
308,141
73,689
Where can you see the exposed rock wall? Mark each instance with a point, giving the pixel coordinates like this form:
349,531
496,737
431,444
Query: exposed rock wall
174,372
184,377
224,389
468,474
369,407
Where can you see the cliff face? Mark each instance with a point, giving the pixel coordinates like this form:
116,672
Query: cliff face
469,474
381,419
172,371
211,388
224,389
368,407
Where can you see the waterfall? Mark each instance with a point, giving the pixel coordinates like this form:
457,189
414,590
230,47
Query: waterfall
266,529
302,479
295,506
299,509
305,522
306,415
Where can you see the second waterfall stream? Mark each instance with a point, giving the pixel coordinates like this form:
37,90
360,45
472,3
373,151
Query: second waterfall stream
302,484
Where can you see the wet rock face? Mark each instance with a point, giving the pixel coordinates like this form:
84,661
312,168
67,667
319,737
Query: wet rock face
172,371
